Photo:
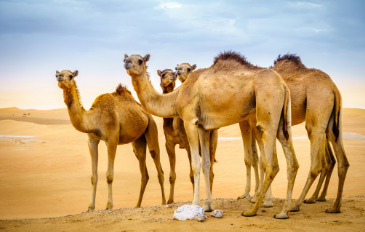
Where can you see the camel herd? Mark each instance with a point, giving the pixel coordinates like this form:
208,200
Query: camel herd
265,102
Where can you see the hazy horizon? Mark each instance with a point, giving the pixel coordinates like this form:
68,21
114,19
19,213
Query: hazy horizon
38,37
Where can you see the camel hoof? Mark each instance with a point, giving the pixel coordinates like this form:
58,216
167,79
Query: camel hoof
253,199
268,204
170,201
281,216
333,210
321,199
310,201
91,208
244,196
208,208
249,213
109,206
295,209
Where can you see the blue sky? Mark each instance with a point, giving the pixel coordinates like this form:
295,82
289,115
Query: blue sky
39,37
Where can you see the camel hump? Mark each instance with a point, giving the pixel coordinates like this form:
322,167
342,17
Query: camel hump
121,89
291,58
231,55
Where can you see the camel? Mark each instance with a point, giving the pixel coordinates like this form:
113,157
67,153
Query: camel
115,118
184,70
230,91
317,101
175,134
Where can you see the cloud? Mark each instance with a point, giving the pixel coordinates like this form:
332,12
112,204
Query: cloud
302,4
169,5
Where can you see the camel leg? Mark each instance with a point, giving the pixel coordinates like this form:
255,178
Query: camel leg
191,175
332,163
112,148
93,148
272,168
326,162
212,149
292,167
248,141
193,138
139,149
170,148
262,166
343,165
317,150
204,138
151,135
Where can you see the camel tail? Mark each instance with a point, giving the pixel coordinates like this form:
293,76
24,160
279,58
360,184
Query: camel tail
337,108
287,113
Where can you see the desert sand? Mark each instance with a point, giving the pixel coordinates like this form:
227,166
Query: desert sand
45,184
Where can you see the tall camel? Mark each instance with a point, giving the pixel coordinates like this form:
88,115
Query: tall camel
183,71
317,101
230,91
115,118
175,134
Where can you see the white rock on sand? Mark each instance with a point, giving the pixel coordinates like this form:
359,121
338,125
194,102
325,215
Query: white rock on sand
190,212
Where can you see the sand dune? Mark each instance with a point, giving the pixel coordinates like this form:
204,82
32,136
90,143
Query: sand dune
45,172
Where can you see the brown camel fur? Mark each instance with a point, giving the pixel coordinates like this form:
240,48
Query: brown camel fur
317,101
115,118
205,102
184,70
175,134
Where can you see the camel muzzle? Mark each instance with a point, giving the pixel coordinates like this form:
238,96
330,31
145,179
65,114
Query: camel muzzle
127,65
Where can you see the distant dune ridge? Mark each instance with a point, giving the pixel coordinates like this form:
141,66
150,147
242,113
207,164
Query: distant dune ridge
45,172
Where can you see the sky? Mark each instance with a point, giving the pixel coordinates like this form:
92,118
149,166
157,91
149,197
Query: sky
38,37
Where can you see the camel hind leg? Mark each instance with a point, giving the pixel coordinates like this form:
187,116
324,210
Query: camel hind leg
250,157
332,163
139,149
343,163
170,148
212,149
151,135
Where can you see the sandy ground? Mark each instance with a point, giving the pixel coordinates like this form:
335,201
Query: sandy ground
45,174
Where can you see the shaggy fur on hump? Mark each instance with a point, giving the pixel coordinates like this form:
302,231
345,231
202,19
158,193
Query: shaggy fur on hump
122,89
231,55
290,57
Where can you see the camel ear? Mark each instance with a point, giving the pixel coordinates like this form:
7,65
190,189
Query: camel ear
75,73
193,67
125,56
57,72
146,57
159,72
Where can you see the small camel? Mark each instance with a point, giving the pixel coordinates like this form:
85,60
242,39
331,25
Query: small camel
184,70
230,91
317,101
175,134
115,118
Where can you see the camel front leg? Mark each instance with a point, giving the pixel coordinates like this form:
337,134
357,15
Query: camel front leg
93,149
212,149
193,138
331,163
204,138
112,148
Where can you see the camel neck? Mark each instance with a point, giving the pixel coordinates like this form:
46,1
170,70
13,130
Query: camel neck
75,109
162,105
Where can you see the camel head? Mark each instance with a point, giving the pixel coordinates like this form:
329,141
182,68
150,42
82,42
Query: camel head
184,70
135,64
168,79
66,78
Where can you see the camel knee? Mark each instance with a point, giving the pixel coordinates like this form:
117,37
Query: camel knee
206,167
109,178
314,171
94,179
153,154
172,178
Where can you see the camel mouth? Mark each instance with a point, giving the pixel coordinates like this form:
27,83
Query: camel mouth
179,72
127,65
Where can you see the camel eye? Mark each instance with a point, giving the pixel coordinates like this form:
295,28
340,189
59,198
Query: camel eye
140,61
124,60
189,69
176,68
70,76
163,75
